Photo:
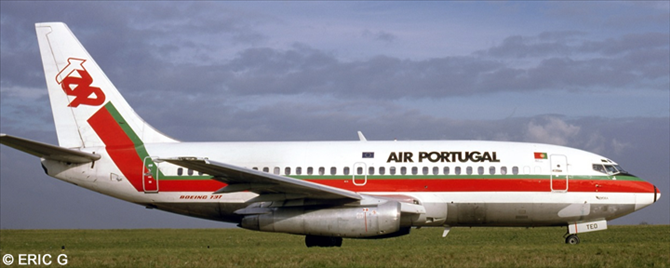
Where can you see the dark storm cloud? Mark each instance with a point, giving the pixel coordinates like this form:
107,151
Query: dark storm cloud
618,62
307,70
521,47
170,46
629,61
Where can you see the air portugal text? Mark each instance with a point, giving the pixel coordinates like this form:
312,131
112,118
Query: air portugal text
445,157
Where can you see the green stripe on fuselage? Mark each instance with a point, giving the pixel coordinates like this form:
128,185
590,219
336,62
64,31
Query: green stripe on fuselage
123,124
137,142
423,177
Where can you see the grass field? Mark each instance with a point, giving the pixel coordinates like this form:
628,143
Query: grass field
619,246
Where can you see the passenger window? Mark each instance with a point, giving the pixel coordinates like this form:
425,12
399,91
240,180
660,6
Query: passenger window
180,171
371,171
538,170
189,172
415,170
333,170
503,170
392,170
276,170
515,170
254,168
403,170
526,170
436,170
322,171
446,170
310,170
480,170
287,171
266,169
424,170
346,170
457,170
298,170
492,170
468,170
382,171
359,170
199,173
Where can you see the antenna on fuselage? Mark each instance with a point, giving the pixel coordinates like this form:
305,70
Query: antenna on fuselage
361,136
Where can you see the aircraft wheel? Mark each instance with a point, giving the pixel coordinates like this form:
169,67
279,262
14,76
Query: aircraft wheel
322,241
572,239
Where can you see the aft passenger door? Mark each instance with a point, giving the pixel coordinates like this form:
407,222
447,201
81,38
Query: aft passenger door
559,173
150,174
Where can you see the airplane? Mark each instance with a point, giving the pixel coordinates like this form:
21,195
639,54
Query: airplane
326,190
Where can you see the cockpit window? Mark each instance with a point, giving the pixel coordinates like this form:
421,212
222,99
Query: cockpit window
621,170
599,168
609,169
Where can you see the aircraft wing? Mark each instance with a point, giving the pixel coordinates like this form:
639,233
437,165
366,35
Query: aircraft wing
270,187
47,151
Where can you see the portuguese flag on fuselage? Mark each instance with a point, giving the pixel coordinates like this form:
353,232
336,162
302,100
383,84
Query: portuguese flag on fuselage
540,155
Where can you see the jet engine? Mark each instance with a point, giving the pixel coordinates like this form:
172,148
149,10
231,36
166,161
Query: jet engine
361,221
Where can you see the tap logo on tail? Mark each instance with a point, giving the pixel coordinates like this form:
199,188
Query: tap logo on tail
75,81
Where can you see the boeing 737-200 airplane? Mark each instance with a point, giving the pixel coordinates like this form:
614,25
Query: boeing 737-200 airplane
323,190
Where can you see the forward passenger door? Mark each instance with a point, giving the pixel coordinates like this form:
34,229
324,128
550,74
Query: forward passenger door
559,173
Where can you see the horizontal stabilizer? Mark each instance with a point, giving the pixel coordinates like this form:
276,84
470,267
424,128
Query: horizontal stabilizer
47,151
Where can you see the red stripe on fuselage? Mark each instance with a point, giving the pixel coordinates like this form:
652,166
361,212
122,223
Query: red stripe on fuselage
119,146
440,185
490,185
190,185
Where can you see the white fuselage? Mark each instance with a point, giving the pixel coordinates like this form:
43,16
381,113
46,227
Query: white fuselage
458,182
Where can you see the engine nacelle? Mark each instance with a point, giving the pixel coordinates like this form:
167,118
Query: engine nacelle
361,221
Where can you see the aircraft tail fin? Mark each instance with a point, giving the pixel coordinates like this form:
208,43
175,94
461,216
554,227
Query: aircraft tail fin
84,102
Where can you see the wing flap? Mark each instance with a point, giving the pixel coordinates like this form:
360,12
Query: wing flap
268,186
239,187
47,151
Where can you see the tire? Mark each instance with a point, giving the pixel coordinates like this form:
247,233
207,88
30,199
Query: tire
572,239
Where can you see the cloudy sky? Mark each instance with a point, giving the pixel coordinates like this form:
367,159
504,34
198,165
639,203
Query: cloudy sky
590,75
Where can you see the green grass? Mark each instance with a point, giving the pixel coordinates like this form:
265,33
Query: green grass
619,246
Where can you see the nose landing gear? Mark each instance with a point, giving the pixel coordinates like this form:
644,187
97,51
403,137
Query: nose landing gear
582,227
572,239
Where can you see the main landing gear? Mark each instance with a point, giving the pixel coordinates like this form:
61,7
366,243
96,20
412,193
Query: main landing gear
322,241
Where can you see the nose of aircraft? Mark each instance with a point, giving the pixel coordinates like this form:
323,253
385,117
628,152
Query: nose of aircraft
650,196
